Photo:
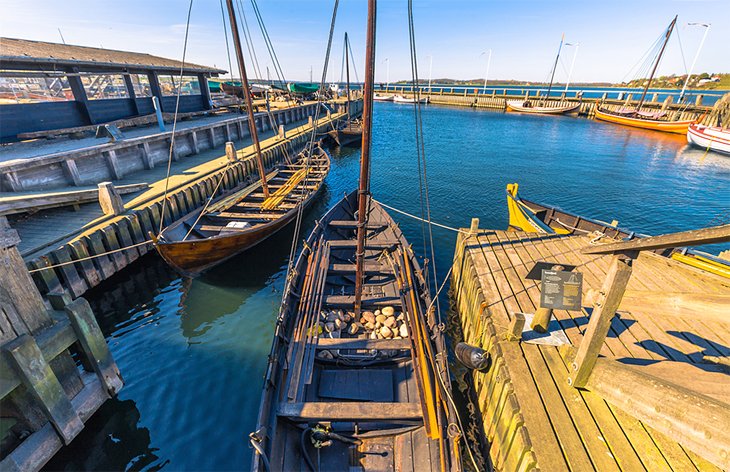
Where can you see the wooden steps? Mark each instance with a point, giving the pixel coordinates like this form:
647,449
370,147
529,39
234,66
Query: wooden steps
356,343
350,411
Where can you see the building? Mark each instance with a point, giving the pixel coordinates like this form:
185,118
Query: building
46,86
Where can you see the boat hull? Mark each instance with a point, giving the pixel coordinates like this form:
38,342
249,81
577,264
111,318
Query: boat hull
676,127
518,106
711,138
401,99
345,137
383,98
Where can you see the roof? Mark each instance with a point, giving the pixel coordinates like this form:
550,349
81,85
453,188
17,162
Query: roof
24,50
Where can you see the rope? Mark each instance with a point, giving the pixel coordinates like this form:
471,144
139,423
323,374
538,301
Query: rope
89,257
228,49
174,119
456,230
210,199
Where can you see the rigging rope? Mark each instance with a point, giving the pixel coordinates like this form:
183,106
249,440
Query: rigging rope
439,225
113,251
269,46
174,119
228,49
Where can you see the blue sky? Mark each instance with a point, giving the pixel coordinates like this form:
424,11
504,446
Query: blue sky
523,35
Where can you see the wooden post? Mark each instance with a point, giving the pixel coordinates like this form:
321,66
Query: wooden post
667,101
109,199
474,229
516,325
698,100
77,88
603,311
231,151
282,132
541,320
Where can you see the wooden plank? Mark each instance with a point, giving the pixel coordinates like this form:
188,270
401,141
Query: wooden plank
350,411
367,301
33,201
697,237
369,268
356,343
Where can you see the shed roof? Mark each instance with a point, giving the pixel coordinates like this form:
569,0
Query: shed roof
41,52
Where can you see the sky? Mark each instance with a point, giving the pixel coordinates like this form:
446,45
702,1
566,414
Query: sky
454,35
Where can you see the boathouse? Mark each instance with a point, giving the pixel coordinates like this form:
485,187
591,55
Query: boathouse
48,86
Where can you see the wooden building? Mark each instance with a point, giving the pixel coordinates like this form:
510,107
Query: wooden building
46,86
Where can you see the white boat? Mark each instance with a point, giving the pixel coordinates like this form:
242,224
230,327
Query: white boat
550,108
402,99
381,97
709,137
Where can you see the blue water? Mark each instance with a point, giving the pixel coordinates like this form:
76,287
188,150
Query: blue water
193,352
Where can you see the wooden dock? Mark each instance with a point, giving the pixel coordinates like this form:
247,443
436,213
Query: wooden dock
533,418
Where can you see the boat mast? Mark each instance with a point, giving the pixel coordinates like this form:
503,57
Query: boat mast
367,125
656,64
555,67
347,74
247,97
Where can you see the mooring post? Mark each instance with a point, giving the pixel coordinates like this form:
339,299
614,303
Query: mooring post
516,325
474,228
231,151
109,199
698,100
158,112
282,132
604,308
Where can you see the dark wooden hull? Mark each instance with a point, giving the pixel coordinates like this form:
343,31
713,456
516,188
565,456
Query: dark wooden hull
316,378
191,252
346,136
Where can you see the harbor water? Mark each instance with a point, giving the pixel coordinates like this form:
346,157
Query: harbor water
193,351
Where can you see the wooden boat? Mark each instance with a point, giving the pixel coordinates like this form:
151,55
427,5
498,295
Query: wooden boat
658,121
636,120
302,88
402,99
542,107
240,219
533,217
367,397
708,137
357,377
350,133
381,97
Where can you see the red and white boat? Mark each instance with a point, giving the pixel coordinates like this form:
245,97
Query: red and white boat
709,137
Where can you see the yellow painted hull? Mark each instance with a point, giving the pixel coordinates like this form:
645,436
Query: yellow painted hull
677,127
703,263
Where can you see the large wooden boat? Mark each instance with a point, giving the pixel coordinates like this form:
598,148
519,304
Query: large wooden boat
533,217
709,137
242,218
544,107
348,134
656,122
334,377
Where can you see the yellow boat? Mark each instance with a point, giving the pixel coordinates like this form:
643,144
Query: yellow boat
667,126
532,217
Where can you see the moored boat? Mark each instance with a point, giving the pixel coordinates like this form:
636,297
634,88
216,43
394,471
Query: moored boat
533,217
542,107
243,217
350,133
382,97
302,88
709,137
402,99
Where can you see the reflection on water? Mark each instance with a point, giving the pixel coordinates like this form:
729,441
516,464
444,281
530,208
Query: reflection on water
193,351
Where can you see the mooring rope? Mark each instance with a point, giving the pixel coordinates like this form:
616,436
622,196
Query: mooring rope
89,257
174,119
456,230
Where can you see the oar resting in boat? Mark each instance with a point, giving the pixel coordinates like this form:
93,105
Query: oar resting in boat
243,217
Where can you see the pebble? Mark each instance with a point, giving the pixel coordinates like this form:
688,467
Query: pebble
381,318
329,327
401,317
403,330
369,325
388,311
373,335
339,323
369,316
332,316
386,332
325,354
353,329
389,322
348,317
378,312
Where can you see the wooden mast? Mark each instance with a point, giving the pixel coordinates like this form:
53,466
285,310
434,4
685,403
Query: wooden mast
363,192
656,64
247,97
347,72
555,66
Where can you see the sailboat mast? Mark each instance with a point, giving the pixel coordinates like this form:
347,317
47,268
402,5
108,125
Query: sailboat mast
247,97
347,74
656,64
367,124
555,67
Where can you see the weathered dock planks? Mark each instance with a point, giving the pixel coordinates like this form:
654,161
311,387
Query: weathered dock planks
532,417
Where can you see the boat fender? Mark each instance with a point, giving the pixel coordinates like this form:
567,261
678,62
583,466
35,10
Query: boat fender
473,357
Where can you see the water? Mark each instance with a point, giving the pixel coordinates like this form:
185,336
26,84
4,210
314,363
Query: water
193,352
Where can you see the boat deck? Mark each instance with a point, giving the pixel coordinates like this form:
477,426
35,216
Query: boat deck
531,416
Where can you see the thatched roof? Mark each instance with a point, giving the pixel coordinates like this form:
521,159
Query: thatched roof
40,52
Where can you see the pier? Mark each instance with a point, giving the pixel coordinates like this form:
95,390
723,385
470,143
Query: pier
89,245
638,390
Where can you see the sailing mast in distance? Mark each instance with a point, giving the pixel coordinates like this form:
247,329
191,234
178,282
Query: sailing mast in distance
367,125
555,66
247,97
656,64
347,69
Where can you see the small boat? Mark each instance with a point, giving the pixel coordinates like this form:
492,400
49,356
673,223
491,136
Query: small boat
402,99
302,88
237,90
543,107
532,217
243,217
382,97
357,377
637,118
709,137
347,134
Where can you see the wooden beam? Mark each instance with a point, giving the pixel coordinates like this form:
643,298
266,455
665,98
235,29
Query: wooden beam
697,237
352,411
351,343
697,422
692,306
604,310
